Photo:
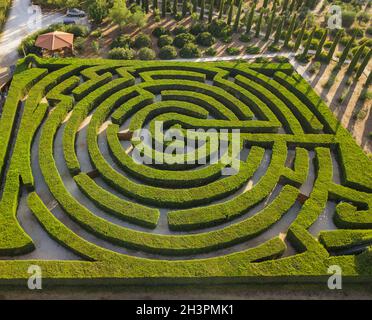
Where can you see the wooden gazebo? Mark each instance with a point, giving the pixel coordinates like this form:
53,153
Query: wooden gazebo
55,41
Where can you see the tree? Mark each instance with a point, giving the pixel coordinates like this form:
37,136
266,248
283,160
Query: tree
175,7
230,14
334,45
308,43
285,5
146,6
97,11
146,54
202,7
154,4
194,5
259,22
237,17
184,8
119,13
355,59
279,30
220,11
210,11
121,54
142,41
364,64
369,79
137,18
290,31
205,39
265,3
163,8
167,53
250,18
270,25
345,53
300,37
190,50
321,44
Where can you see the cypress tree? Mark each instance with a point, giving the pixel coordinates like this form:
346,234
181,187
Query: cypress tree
147,6
270,25
279,30
300,37
163,8
194,5
230,14
184,8
210,13
259,22
250,19
369,79
220,10
363,64
202,6
321,44
237,17
290,31
154,4
334,45
285,5
175,7
355,59
308,43
346,51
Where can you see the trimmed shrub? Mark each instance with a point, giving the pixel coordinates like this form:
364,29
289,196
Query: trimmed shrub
165,40
190,50
198,28
146,54
142,41
167,53
160,31
121,54
182,39
205,39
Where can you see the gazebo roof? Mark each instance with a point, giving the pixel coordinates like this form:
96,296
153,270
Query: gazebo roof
55,40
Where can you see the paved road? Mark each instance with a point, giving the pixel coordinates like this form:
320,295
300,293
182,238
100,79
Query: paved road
23,20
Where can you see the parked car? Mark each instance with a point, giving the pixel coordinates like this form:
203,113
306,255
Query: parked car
75,13
69,21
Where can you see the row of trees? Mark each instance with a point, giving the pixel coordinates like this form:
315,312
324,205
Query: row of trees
231,11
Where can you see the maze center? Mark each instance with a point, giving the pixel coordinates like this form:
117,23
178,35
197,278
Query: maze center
75,202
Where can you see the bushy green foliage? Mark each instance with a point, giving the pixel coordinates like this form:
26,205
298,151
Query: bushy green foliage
121,54
182,39
146,54
167,52
205,39
190,50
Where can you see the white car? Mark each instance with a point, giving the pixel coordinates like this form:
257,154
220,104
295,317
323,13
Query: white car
75,13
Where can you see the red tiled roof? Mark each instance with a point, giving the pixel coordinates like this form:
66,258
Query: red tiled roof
55,40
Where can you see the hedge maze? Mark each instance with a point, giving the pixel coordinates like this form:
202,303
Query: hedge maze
300,202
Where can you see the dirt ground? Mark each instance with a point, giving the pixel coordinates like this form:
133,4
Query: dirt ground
231,292
343,97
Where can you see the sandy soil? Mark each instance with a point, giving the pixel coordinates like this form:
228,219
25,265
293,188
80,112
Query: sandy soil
343,99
